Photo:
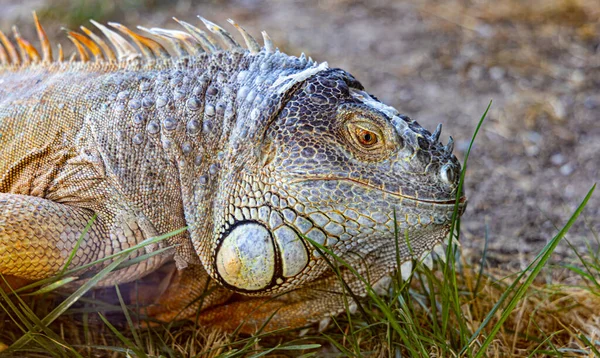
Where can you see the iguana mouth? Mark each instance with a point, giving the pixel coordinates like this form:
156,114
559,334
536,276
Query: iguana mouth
462,202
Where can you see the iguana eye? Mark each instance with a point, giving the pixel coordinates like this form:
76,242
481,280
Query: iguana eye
365,136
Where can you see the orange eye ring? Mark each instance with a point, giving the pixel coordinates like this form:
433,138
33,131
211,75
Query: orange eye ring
366,137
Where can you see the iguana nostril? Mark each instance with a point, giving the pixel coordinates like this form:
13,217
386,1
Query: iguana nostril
448,173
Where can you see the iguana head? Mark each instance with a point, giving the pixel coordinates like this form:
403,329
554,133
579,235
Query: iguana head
344,170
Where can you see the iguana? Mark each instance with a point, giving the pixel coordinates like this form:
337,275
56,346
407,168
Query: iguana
259,154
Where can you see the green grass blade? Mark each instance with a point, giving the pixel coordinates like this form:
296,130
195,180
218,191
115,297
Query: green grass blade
264,353
63,306
87,228
590,344
535,267
113,349
53,286
16,311
21,320
50,335
449,269
298,347
147,242
16,320
144,257
482,264
308,355
123,339
134,332
378,301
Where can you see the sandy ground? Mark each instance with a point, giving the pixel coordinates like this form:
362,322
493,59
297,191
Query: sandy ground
441,61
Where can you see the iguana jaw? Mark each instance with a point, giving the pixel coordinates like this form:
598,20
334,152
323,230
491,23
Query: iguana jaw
462,202
327,296
266,245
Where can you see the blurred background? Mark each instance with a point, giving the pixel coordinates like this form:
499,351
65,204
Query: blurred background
438,61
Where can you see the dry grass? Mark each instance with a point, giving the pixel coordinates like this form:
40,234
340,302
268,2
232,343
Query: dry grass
551,316
552,311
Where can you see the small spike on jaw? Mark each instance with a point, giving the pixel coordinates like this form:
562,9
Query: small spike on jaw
382,285
324,323
435,136
352,308
456,243
251,43
303,332
427,260
406,270
125,50
202,37
108,52
149,47
222,33
440,251
450,145
10,49
46,47
269,47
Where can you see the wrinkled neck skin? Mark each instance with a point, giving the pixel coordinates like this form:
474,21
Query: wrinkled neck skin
242,95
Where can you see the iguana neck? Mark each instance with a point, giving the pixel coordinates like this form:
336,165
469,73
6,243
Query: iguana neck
239,103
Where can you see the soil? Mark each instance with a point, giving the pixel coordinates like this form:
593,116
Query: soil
538,152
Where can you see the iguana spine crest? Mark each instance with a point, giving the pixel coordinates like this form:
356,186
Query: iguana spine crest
193,42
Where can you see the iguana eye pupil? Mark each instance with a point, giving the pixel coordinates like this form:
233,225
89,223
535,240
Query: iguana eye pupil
366,137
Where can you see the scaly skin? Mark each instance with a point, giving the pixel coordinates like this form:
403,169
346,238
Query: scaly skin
253,150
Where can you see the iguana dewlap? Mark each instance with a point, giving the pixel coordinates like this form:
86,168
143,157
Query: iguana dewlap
256,152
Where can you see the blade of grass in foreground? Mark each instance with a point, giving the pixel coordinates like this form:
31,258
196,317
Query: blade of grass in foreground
87,228
535,267
138,352
147,242
51,287
369,290
449,270
132,327
19,317
69,301
592,346
63,306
